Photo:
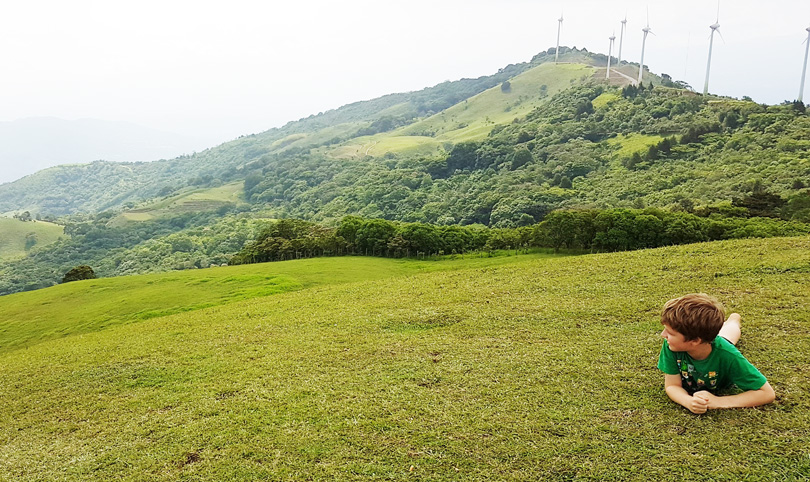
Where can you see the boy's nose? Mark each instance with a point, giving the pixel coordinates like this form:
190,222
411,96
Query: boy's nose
663,334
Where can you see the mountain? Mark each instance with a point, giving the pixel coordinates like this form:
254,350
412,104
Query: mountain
32,144
342,132
502,152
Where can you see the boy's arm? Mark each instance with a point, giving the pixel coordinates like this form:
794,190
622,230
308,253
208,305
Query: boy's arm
675,391
751,398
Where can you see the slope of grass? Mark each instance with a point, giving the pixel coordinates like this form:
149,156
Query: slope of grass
30,318
13,234
538,370
192,200
604,99
473,118
632,143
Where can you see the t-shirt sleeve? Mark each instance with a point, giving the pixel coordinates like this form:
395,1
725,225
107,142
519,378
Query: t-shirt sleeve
744,374
667,362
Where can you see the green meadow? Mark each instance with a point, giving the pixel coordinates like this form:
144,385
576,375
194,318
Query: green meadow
192,200
13,233
633,143
528,367
472,119
30,318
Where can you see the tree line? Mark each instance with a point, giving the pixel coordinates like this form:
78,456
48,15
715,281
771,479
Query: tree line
581,229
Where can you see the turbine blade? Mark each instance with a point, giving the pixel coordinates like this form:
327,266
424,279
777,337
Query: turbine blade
721,36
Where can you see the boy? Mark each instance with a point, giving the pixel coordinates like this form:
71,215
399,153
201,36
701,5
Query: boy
699,357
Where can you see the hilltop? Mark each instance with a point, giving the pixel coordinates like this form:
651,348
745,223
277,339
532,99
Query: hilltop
537,369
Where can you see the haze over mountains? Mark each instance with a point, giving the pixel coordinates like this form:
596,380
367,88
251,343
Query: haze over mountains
32,144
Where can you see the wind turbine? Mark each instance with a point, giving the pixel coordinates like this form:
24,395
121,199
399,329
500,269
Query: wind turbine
610,52
804,69
621,39
715,28
646,30
559,27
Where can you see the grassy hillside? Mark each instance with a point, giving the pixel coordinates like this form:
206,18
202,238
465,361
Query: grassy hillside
542,369
472,119
475,117
187,201
13,234
28,319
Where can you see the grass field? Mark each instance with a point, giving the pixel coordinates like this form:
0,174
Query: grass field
633,143
531,369
604,99
475,117
13,234
471,119
196,200
30,318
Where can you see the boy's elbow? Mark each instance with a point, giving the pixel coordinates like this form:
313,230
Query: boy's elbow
768,395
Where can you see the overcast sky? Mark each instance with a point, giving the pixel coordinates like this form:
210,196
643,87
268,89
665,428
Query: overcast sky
222,69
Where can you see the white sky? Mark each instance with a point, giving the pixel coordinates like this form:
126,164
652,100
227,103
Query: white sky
222,69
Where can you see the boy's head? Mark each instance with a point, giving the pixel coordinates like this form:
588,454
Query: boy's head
694,316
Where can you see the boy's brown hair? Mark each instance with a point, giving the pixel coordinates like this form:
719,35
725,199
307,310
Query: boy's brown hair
694,316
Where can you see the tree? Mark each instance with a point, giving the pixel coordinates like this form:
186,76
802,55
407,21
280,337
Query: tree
24,217
761,203
584,107
79,273
521,157
375,234
30,240
463,156
506,86
251,181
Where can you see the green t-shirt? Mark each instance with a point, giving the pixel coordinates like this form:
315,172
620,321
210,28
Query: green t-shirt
725,366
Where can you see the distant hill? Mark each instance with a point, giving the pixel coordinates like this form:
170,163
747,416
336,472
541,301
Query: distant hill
17,237
501,151
32,144
344,132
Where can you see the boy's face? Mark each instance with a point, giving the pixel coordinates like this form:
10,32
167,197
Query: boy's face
676,341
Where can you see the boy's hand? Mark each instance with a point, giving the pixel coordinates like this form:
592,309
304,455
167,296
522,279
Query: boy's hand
699,403
711,400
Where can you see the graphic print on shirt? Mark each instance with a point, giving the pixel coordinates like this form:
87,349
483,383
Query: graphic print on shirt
693,380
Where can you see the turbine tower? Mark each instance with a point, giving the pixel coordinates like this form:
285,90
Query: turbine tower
715,28
621,39
559,27
646,30
804,69
610,52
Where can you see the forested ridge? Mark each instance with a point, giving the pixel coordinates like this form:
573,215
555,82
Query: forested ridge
654,156
654,147
102,185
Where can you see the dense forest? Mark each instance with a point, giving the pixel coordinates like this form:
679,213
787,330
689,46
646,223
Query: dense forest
590,166
564,154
